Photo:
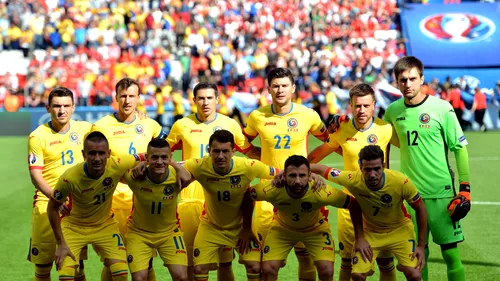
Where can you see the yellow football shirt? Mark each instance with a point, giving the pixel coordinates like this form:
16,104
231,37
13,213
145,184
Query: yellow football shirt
224,193
352,140
155,204
300,214
283,135
54,152
126,139
383,209
191,136
90,198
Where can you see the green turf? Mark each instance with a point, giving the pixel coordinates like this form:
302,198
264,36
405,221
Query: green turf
479,251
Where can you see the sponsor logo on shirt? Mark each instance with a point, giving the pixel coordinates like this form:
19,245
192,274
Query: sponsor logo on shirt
195,131
146,189
119,133
400,119
270,124
372,139
87,190
351,139
55,142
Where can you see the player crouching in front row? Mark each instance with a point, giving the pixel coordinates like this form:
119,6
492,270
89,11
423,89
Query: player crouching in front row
300,217
386,225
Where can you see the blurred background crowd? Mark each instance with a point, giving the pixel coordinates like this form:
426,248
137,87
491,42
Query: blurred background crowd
169,45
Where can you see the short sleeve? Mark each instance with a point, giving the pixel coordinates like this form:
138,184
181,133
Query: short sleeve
257,192
241,141
174,137
62,190
193,166
261,170
410,192
387,115
155,128
35,153
318,128
332,141
127,162
336,198
249,129
455,138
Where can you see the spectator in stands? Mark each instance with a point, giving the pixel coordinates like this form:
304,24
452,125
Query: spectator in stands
455,98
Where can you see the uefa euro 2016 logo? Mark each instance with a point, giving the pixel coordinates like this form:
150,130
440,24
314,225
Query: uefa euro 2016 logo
457,27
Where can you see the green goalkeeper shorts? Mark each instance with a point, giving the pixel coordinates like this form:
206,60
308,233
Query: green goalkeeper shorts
442,228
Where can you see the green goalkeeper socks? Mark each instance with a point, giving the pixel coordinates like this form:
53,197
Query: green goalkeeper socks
454,264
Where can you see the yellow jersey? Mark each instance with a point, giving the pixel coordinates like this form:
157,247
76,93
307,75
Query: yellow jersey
383,209
300,214
224,193
126,139
155,204
191,136
283,135
352,140
54,152
90,198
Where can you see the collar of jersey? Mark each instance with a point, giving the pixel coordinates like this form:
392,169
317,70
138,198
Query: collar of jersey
287,191
52,128
148,175
362,130
116,116
418,104
196,116
281,114
230,169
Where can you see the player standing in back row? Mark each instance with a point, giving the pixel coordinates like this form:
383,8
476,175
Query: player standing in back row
53,147
427,128
283,128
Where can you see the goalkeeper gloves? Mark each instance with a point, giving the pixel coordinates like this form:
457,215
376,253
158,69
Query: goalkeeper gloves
460,205
333,123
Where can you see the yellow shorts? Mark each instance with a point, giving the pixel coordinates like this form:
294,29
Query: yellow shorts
400,241
106,238
170,247
189,215
279,242
345,232
42,241
210,240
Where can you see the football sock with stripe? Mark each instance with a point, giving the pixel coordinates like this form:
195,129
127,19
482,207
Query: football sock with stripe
345,270
119,271
67,274
387,272
200,277
253,276
425,270
454,266
80,273
42,273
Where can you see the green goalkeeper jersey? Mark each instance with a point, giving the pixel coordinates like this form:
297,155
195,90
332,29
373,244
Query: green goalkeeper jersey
426,132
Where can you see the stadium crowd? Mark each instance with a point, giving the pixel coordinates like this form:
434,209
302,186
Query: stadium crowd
88,46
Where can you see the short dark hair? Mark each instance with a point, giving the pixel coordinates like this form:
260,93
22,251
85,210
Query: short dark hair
158,143
371,152
297,161
126,83
61,92
95,136
361,90
222,136
407,63
279,72
203,86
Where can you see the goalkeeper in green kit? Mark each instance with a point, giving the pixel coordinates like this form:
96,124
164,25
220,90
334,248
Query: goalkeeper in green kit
427,128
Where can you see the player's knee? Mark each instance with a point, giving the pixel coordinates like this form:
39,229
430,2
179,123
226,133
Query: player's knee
325,272
269,268
180,275
140,275
385,261
414,275
201,269
358,277
253,267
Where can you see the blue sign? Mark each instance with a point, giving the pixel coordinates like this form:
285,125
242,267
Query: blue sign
465,35
484,78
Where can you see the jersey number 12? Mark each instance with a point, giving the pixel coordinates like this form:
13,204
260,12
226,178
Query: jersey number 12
412,137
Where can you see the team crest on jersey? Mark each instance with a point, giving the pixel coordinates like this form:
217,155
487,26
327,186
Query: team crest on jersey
334,173
74,137
58,195
341,246
31,159
355,260
139,129
386,198
130,258
372,139
107,181
292,123
196,252
168,190
253,194
34,251
424,118
235,179
216,128
306,206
